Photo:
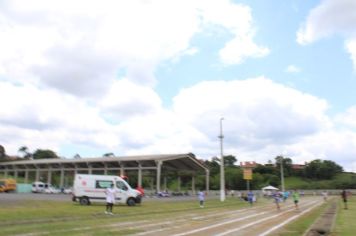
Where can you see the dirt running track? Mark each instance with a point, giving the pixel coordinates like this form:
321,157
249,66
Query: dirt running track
250,221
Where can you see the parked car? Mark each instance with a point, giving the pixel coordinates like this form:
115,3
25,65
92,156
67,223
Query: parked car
50,189
38,187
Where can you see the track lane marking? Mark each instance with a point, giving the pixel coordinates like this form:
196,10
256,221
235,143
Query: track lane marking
257,222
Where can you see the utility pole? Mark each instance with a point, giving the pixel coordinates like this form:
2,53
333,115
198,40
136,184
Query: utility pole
282,173
222,172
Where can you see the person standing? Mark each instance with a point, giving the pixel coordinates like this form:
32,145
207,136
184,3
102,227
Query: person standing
344,198
110,199
296,199
201,197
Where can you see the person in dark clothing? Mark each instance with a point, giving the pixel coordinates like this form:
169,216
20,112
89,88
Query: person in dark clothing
344,196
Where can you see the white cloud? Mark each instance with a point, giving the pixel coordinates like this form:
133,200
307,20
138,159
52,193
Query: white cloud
237,50
238,20
126,99
351,48
328,18
47,119
347,118
331,16
79,47
293,69
257,110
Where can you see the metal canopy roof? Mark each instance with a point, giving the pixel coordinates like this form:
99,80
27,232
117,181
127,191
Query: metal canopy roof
185,162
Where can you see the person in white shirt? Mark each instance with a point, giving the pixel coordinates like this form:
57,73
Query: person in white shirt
110,199
201,196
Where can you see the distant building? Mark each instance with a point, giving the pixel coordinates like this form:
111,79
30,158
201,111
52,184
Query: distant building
298,166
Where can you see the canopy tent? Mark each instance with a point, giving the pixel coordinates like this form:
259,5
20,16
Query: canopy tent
269,188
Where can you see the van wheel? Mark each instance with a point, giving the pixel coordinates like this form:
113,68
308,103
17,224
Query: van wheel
131,202
84,201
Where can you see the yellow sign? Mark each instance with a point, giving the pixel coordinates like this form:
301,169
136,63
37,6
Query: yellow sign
247,173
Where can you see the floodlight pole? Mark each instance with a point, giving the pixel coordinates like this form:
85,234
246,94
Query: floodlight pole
222,172
282,173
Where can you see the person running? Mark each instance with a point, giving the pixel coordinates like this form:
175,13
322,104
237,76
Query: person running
110,199
285,195
344,198
296,199
277,199
250,197
201,197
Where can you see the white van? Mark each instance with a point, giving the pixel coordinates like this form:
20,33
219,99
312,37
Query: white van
91,188
38,187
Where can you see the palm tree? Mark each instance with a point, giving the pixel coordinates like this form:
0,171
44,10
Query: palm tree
77,156
25,151
109,154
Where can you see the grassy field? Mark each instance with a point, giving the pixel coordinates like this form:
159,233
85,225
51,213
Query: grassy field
345,221
68,218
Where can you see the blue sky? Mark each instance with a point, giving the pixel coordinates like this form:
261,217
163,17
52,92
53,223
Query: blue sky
149,77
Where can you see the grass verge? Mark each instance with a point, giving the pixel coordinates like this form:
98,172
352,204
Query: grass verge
345,220
299,226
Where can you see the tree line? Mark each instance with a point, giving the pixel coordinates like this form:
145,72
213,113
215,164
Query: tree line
270,174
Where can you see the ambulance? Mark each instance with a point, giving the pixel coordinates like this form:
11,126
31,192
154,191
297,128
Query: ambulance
91,188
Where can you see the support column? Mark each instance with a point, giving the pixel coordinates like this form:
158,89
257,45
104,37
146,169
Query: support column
6,173
26,176
105,168
165,182
193,184
49,176
15,174
158,176
207,175
62,178
179,183
122,170
37,174
139,179
90,170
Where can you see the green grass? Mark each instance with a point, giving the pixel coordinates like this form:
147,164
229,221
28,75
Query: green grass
67,218
345,221
295,183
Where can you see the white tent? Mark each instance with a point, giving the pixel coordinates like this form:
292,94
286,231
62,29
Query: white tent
267,191
269,188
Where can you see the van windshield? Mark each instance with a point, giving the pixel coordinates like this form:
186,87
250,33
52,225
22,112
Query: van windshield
121,185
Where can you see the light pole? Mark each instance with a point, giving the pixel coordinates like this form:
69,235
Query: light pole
222,172
282,173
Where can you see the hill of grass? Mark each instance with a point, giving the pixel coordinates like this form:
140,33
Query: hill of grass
340,181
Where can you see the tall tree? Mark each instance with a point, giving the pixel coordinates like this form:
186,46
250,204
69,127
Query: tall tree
229,160
77,156
25,151
322,169
44,154
2,152
109,154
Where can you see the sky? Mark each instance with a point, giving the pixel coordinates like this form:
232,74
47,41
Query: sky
147,77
